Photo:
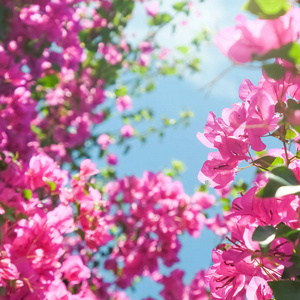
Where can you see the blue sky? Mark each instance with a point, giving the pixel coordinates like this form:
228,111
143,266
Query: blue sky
169,98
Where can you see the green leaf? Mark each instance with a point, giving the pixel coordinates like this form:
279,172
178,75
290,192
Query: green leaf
122,91
179,6
27,194
168,70
178,165
289,52
287,232
290,134
297,128
278,161
195,64
294,53
203,188
293,105
267,9
3,163
22,216
146,114
265,161
264,235
9,212
81,233
225,204
5,15
49,81
52,185
160,19
278,177
275,71
285,289
284,175
150,87
183,49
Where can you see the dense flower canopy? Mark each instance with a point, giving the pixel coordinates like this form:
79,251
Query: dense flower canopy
66,225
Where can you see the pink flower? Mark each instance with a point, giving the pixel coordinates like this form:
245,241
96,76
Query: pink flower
61,218
110,53
112,159
75,271
197,289
240,42
145,47
104,140
144,60
124,103
164,52
88,168
127,131
174,288
152,8
258,289
203,200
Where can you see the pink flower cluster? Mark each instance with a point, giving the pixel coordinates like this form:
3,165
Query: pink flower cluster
259,36
150,213
243,266
51,232
241,127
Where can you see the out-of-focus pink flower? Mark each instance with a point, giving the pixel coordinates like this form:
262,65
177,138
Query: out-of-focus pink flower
112,159
103,140
124,103
74,269
183,23
127,131
144,60
88,168
240,42
145,47
110,53
152,8
164,52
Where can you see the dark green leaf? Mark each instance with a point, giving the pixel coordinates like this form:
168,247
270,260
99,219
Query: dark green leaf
265,161
278,177
289,52
285,289
22,216
287,232
264,235
81,233
275,71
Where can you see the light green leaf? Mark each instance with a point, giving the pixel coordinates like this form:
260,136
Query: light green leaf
268,9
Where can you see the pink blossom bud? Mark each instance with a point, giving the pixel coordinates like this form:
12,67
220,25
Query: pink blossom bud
127,131
103,140
152,8
112,159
